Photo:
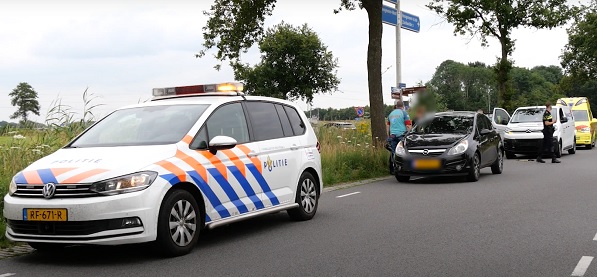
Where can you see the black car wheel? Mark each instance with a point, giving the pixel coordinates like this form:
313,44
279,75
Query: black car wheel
475,170
498,165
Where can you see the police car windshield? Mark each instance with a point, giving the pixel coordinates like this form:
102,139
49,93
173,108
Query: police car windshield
528,115
580,115
142,126
445,124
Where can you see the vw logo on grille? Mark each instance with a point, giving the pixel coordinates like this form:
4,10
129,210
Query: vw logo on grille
48,190
426,152
529,131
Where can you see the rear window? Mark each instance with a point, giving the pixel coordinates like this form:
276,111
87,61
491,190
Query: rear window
295,120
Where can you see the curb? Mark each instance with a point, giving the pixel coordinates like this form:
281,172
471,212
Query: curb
22,249
354,184
16,250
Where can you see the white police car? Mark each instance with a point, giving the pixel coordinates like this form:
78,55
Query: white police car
194,157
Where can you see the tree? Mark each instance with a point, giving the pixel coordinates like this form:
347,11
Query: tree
235,25
497,19
295,64
25,98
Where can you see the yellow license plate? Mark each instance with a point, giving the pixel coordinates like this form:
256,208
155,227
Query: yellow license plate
45,214
427,164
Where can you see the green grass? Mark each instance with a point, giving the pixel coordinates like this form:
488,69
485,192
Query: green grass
346,155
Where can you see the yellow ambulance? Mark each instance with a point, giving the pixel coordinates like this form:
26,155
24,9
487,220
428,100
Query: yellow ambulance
586,125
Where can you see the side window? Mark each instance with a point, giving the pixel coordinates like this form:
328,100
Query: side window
561,114
501,117
487,123
200,141
285,121
265,121
295,121
228,120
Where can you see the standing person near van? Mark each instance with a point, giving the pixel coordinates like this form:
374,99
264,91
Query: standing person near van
398,124
548,130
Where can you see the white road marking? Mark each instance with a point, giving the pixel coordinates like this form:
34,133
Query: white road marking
7,274
595,238
344,195
582,266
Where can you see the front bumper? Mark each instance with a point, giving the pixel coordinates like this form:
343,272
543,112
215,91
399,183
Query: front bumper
523,146
458,165
583,138
90,220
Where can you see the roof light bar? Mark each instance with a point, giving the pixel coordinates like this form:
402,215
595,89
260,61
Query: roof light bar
235,88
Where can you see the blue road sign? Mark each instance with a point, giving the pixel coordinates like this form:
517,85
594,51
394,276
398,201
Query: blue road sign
402,85
360,111
409,22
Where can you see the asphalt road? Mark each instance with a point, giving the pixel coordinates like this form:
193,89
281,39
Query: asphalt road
533,220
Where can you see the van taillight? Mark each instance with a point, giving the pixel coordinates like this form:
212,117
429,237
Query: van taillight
318,147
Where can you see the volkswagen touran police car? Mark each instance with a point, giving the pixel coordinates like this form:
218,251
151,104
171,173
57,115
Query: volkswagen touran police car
194,157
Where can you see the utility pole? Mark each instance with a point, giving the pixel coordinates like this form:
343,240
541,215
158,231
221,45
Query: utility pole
398,49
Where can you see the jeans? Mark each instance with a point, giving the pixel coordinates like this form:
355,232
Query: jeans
393,140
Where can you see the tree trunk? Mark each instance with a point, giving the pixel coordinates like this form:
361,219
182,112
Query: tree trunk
378,124
503,69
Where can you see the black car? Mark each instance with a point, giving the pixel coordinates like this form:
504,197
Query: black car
450,144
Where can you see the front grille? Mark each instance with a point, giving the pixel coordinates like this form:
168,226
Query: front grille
431,153
74,190
67,228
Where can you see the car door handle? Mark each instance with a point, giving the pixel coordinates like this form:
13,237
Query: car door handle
252,154
294,147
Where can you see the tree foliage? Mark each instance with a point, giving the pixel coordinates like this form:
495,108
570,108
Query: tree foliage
24,97
295,64
497,19
470,86
236,25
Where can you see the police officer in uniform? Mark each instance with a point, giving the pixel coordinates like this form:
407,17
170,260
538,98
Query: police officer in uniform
548,130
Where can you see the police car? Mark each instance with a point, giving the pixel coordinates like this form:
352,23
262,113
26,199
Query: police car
194,157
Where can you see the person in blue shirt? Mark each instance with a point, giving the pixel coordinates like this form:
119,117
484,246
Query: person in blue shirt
398,124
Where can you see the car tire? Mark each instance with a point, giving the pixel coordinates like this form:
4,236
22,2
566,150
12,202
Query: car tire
572,150
589,146
475,170
498,166
179,219
510,155
307,197
402,179
47,247
558,153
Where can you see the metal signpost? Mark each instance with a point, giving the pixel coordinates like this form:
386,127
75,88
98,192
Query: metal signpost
401,20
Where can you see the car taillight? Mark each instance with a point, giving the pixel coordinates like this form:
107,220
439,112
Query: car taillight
318,147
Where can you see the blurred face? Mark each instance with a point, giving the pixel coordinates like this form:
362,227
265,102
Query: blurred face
548,109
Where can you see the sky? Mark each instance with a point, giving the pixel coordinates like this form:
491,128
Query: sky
120,49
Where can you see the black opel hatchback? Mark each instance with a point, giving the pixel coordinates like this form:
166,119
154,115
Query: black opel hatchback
450,144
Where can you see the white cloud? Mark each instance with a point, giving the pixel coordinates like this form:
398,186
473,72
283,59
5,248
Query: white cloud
122,49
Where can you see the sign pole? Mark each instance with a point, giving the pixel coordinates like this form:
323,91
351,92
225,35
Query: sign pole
398,48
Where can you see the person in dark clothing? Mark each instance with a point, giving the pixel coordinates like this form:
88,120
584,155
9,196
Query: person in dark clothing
548,130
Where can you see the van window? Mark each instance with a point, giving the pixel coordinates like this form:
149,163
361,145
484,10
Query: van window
285,121
265,121
580,115
228,120
562,114
295,120
501,117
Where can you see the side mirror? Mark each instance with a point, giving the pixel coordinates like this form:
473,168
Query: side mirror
221,143
485,132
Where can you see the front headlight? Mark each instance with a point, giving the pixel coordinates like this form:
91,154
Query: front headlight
400,151
459,148
129,183
12,188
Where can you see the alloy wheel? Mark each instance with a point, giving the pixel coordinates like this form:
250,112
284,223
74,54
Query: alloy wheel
182,222
308,196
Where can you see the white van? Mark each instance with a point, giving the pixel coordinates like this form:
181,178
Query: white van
523,133
195,157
